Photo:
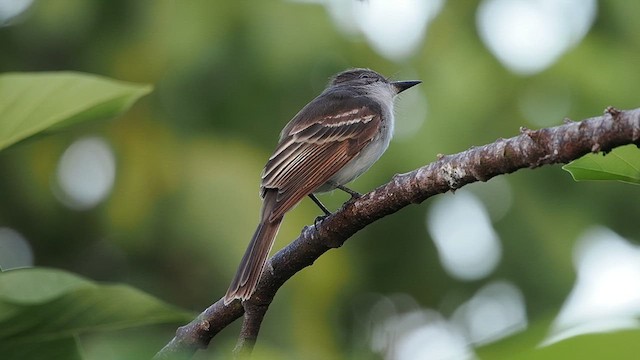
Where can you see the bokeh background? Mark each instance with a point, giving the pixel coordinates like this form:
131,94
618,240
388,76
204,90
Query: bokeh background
165,198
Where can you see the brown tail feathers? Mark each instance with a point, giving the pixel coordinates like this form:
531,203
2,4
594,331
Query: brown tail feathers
252,264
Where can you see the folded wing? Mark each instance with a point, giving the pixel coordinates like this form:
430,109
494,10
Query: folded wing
316,144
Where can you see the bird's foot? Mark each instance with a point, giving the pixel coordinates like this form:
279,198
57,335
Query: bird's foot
319,219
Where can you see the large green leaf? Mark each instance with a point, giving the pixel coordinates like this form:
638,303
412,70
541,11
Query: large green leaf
621,344
37,285
34,102
63,348
46,310
621,164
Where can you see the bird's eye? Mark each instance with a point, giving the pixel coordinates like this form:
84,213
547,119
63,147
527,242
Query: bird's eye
365,76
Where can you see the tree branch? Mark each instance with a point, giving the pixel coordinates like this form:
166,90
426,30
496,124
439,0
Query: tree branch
530,149
253,315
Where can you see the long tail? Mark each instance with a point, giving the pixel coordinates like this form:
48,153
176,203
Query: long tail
252,264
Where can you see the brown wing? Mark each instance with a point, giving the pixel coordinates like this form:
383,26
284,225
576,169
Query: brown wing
316,144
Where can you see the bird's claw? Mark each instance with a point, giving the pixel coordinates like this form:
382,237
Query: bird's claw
318,220
355,195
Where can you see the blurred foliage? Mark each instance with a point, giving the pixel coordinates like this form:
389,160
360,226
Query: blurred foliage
228,76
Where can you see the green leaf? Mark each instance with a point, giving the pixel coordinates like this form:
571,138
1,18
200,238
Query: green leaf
34,102
48,309
66,348
621,164
621,344
523,343
36,285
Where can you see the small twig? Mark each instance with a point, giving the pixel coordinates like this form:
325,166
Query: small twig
530,149
253,315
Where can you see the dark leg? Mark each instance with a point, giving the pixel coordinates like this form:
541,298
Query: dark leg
320,205
354,194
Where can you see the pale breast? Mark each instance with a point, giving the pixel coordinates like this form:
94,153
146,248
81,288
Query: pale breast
365,159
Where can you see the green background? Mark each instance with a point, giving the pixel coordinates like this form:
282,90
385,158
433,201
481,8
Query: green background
227,77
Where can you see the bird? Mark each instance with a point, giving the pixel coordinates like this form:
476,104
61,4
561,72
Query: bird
331,141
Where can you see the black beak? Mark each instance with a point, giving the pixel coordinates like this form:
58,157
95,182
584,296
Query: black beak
401,86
